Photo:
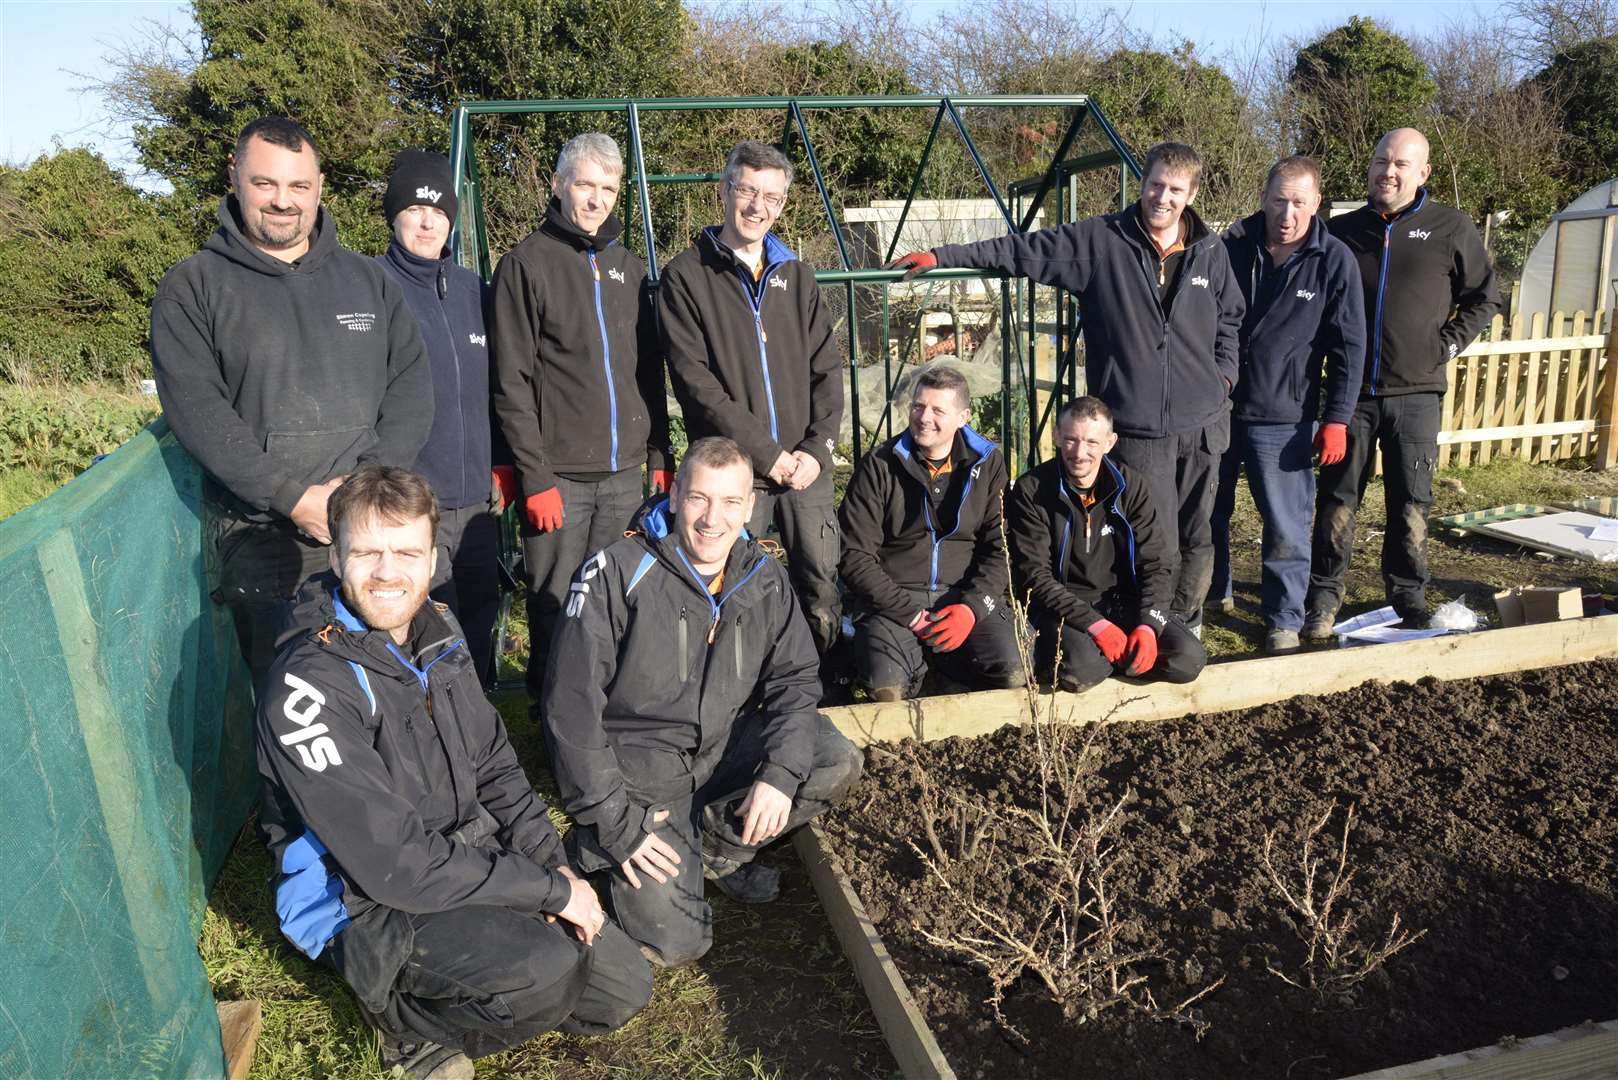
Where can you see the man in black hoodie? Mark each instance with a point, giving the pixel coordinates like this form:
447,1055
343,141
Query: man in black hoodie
681,725
752,357
1088,550
1429,290
458,459
1162,314
411,851
578,381
284,361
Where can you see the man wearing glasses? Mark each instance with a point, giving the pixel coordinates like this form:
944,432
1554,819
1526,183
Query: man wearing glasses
752,357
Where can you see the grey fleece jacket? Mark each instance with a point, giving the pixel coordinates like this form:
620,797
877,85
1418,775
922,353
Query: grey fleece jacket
277,376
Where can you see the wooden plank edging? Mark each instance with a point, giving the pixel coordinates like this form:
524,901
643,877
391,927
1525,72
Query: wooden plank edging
1243,684
1586,1052
903,1027
240,1023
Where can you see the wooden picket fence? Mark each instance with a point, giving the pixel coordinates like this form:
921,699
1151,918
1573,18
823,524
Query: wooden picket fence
1539,395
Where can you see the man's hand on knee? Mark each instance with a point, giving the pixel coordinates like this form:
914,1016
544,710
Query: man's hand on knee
764,813
583,908
654,856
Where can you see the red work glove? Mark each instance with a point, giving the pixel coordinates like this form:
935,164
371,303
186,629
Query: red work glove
662,479
545,510
1109,637
1331,443
917,262
1142,650
949,627
505,481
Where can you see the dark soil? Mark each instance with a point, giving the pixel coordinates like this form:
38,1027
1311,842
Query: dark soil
1487,815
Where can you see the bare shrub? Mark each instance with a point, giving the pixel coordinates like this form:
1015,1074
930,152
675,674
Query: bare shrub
1073,941
1337,957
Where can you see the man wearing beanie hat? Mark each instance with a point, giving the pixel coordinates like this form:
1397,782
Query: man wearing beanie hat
463,446
284,362
578,381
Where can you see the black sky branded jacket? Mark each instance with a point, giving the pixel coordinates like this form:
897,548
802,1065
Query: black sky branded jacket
449,303
578,370
1309,307
1082,565
1416,270
898,537
278,376
753,360
1160,373
390,759
648,671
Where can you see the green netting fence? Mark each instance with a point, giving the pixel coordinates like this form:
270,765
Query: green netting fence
126,771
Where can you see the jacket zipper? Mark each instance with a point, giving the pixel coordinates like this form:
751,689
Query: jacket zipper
455,351
763,338
736,641
932,528
1381,287
685,643
606,363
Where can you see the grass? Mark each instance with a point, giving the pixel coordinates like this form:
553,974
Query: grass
50,432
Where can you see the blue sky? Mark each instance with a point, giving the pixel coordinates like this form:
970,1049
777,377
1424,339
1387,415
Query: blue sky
50,50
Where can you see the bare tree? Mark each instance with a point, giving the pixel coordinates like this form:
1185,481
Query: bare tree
1539,29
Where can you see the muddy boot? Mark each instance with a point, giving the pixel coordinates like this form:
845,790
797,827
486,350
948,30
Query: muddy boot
745,883
1317,625
1281,642
424,1060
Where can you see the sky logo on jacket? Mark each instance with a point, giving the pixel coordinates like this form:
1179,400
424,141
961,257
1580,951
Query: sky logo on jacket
428,193
1420,234
479,339
616,275
1305,294
777,282
1200,281
314,745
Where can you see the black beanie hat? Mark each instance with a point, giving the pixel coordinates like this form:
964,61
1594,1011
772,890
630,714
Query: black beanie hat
420,178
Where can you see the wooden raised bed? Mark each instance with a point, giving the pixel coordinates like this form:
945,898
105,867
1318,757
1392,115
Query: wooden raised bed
1587,1051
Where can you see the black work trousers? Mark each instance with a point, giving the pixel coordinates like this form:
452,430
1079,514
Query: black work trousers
1406,428
806,523
1180,656
595,513
468,578
892,661
673,917
1182,471
485,979
258,566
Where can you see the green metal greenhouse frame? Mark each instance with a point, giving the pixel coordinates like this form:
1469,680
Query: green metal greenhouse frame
1025,195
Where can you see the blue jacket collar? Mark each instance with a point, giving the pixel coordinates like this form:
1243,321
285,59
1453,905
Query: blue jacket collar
980,446
775,251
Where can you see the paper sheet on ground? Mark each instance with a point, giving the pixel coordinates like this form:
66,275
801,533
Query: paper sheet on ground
1376,628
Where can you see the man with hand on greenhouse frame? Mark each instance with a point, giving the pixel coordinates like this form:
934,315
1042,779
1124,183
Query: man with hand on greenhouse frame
1161,314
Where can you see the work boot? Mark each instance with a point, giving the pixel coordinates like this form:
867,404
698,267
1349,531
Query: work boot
1317,625
1281,642
424,1060
1226,605
745,883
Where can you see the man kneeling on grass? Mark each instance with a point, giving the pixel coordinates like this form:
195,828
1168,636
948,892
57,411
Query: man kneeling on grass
413,853
1087,546
680,710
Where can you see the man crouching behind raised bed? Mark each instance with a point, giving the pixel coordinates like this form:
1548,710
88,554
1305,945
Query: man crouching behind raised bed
413,853
1087,546
680,710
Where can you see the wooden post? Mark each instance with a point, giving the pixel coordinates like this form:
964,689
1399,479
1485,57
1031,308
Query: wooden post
1607,401
1536,331
1553,374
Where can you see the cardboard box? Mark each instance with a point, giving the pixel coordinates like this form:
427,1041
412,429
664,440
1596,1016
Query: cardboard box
1518,607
